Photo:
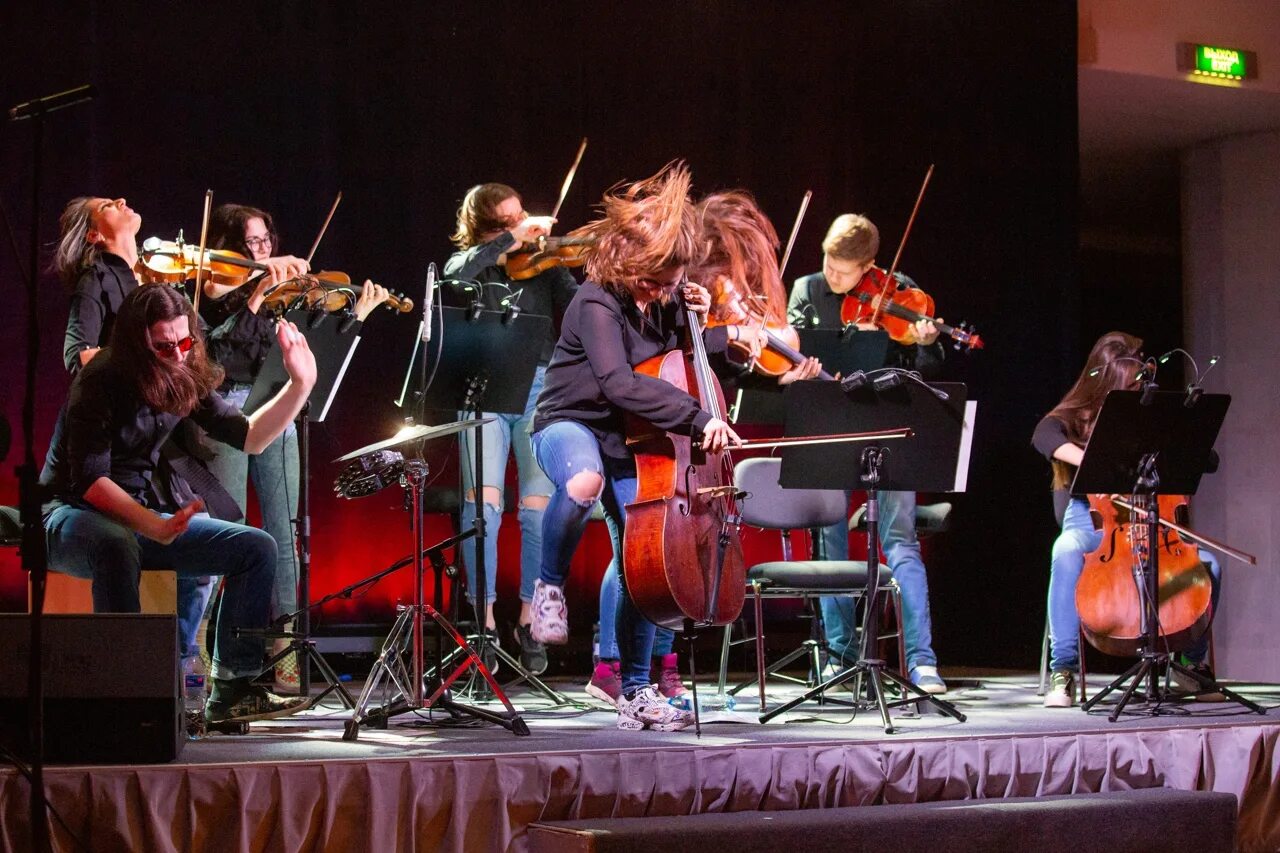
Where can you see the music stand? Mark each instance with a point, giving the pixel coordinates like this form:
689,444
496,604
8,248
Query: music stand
934,459
333,349
486,362
1160,447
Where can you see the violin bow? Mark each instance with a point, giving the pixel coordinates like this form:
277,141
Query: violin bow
204,236
902,244
795,229
323,228
568,178
1242,556
834,438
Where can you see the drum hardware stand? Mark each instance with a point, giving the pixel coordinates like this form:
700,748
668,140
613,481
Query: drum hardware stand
406,636
1153,663
869,665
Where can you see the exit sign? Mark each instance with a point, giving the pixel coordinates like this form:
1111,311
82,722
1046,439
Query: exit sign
1226,63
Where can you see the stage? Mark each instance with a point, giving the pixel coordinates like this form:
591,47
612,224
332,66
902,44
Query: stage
295,784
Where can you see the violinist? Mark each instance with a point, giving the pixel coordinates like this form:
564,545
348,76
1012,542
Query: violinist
848,255
97,259
102,523
491,223
242,333
1114,363
741,272
625,313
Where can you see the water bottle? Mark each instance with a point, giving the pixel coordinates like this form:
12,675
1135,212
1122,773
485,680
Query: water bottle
707,702
595,646
193,683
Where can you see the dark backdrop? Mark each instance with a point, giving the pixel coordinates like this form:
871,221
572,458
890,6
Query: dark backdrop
402,108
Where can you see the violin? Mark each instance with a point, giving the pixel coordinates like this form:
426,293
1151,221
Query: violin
1107,597
328,291
681,548
781,352
885,303
546,253
173,262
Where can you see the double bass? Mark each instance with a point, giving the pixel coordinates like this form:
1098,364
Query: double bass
681,546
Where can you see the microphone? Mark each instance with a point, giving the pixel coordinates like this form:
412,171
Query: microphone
426,302
51,103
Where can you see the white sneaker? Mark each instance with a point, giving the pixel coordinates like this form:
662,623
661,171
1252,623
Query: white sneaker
1062,689
550,616
928,680
649,710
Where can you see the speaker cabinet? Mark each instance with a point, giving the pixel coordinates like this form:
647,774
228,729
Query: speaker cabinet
111,688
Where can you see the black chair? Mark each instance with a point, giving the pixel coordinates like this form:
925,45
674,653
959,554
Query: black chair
767,505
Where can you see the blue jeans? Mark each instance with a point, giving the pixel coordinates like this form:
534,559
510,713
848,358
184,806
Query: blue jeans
610,588
564,449
1078,538
87,544
902,554
506,434
275,481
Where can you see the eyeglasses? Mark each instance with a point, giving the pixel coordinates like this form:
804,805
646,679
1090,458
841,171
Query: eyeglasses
255,243
169,347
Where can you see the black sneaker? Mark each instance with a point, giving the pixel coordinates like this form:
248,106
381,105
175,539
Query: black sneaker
533,655
255,703
489,654
1185,686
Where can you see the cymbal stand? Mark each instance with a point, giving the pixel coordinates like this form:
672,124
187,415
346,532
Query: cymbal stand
406,638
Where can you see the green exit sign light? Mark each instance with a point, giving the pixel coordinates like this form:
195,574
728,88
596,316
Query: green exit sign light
1226,63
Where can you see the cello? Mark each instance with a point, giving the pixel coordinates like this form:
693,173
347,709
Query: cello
681,548
1107,598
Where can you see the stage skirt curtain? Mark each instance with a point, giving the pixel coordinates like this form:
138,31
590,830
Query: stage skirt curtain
485,803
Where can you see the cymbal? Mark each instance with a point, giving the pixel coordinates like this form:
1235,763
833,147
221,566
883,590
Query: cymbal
420,432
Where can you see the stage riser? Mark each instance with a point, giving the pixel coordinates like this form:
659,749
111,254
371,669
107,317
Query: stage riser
1145,821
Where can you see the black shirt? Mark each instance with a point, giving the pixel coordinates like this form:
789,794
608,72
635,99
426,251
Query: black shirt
814,305
590,379
547,293
105,430
94,305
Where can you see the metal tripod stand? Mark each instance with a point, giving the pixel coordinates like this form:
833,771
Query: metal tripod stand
404,680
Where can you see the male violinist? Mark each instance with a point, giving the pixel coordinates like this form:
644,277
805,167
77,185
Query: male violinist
848,255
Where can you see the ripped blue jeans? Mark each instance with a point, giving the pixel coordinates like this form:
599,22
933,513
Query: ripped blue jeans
565,449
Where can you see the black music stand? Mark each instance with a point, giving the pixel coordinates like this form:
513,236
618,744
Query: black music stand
1160,447
841,352
485,362
333,349
934,459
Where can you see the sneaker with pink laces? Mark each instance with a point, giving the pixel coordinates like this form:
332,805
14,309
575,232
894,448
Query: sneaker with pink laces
606,683
550,616
664,671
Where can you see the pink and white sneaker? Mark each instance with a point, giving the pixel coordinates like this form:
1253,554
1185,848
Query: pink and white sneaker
665,673
606,683
550,616
649,710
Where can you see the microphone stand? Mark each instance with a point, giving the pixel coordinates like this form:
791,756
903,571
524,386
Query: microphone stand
34,557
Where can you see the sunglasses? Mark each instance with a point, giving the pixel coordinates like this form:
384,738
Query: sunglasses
170,347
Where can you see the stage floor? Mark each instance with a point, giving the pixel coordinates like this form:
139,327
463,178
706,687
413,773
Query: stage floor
294,784
995,705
